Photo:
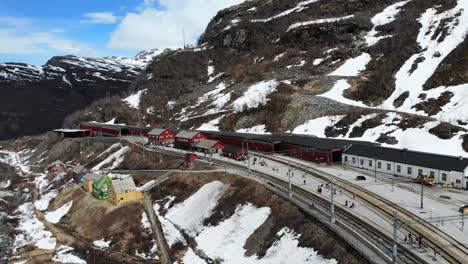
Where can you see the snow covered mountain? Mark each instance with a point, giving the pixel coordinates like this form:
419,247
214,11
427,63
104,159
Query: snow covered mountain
395,72
37,99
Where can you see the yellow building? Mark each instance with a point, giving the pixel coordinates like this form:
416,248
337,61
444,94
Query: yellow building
89,179
123,190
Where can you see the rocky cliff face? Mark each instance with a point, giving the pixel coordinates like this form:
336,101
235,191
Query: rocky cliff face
36,99
388,71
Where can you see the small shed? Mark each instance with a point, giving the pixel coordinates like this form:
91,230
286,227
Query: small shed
79,171
234,152
89,179
101,187
123,190
208,146
161,137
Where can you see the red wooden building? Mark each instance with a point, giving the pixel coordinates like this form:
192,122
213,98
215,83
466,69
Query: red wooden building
185,139
161,137
98,129
255,142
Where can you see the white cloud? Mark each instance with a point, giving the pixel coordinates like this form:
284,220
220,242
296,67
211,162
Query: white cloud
19,36
162,26
100,18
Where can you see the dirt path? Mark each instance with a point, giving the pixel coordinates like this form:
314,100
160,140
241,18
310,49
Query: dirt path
157,230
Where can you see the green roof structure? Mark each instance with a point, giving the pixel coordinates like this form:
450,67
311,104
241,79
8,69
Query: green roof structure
101,187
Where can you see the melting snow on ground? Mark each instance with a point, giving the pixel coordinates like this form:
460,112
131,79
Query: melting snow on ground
418,139
316,127
116,159
62,255
55,216
43,203
102,244
255,96
336,93
318,21
211,125
191,213
299,7
260,129
238,228
353,67
434,51
171,233
134,99
387,16
31,230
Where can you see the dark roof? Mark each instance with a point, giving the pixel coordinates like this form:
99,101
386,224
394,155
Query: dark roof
321,143
422,159
232,149
295,139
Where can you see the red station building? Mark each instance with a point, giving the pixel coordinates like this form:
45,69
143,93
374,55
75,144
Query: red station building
161,137
184,139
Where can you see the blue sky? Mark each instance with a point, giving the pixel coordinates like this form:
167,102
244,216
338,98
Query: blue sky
32,31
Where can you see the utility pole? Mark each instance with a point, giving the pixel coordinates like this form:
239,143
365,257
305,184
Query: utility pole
375,169
422,194
183,36
248,156
463,221
395,237
332,203
289,180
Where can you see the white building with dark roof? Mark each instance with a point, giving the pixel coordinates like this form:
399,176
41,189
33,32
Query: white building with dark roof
406,163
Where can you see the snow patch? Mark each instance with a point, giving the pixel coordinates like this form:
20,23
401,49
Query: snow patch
62,255
134,99
318,21
259,129
317,126
353,67
116,158
336,93
255,96
102,244
31,230
55,216
433,52
387,16
299,7
191,213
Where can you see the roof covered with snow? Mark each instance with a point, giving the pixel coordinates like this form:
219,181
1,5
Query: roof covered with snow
423,159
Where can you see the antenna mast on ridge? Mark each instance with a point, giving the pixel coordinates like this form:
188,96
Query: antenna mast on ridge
183,36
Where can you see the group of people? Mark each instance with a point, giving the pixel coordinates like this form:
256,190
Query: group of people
351,204
411,239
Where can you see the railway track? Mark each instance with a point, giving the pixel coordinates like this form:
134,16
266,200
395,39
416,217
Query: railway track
372,234
446,246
